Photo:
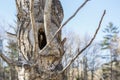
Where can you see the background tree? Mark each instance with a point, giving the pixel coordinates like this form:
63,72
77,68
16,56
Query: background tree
111,42
111,39
13,55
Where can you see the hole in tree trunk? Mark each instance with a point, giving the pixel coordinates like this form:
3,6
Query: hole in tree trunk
41,38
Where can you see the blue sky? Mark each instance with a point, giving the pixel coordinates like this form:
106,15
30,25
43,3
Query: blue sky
85,22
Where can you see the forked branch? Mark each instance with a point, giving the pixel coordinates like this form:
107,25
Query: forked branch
79,52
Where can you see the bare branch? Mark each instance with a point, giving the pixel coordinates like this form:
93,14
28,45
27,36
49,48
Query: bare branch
63,41
47,19
34,28
17,5
79,52
6,59
79,8
11,35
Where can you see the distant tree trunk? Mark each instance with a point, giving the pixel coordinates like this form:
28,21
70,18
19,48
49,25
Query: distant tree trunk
13,73
92,74
34,62
85,68
111,69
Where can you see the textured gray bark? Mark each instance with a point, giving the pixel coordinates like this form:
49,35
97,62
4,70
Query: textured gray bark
32,65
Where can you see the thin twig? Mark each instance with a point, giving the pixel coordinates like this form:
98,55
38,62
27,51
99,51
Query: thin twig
11,35
73,59
7,60
79,8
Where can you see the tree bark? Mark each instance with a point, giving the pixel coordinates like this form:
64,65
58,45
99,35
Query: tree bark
32,22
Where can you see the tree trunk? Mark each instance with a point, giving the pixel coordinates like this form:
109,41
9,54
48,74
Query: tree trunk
13,73
92,74
85,68
39,64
